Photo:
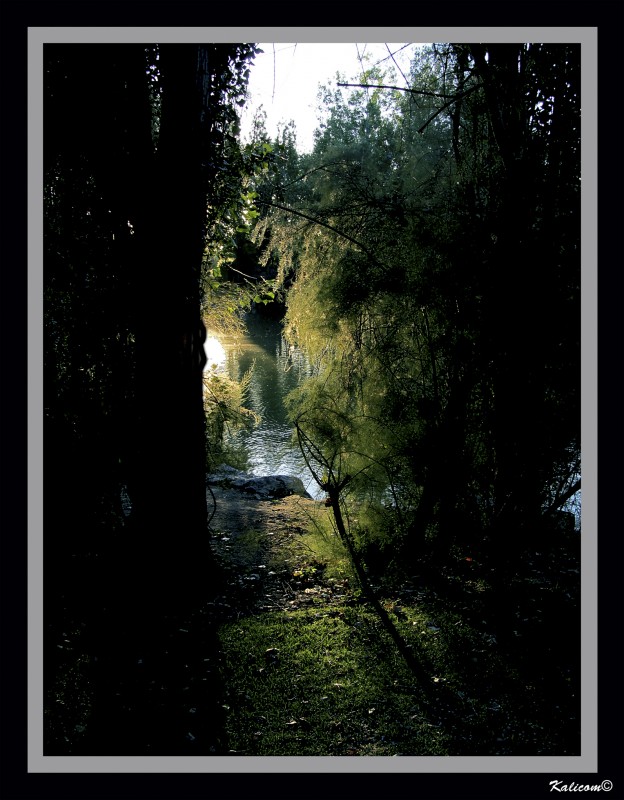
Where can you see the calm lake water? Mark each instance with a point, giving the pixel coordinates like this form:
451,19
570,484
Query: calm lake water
277,369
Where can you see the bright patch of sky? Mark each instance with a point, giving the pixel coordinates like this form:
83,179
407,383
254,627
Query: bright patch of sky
285,79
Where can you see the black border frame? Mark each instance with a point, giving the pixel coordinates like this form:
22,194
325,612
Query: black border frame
15,781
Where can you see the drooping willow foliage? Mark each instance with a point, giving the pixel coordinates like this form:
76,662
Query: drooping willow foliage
429,248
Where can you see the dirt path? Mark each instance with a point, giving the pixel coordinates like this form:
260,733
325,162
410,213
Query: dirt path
258,544
238,511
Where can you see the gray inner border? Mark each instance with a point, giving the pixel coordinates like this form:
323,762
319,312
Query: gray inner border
588,760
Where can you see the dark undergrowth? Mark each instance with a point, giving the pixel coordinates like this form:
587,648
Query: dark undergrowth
280,654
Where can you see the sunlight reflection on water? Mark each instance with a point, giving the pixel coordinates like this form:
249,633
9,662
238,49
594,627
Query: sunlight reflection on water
215,353
277,369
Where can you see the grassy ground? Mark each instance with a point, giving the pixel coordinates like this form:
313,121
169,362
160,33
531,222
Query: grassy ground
287,658
310,669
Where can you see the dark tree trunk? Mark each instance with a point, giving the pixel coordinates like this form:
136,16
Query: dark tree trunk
169,492
126,232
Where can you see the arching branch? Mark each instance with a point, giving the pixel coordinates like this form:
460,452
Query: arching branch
450,98
454,99
398,88
320,222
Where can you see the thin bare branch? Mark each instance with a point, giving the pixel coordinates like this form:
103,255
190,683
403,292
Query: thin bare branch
316,221
396,64
442,108
398,88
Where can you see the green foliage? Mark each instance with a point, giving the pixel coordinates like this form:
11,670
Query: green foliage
225,413
429,249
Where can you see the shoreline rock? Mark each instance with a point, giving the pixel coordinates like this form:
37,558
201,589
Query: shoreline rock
265,487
